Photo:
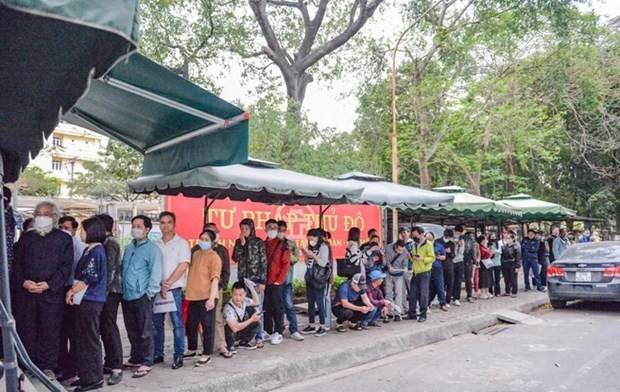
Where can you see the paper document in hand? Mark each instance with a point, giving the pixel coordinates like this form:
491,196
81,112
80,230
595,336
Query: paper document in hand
77,298
164,305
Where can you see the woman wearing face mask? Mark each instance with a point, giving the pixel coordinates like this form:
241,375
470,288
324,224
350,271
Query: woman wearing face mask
91,276
354,255
202,293
496,271
317,252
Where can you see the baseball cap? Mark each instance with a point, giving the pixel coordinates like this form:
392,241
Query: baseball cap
360,280
374,275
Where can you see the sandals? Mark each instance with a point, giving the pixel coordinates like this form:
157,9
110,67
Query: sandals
131,365
226,354
260,344
141,372
203,362
356,327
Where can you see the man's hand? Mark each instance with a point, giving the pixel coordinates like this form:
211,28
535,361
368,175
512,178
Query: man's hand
165,286
384,311
69,297
448,250
375,248
365,309
261,288
30,285
256,317
210,305
43,286
391,270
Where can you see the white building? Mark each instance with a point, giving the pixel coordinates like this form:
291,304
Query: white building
65,152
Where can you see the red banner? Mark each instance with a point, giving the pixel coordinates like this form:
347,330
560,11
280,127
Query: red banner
227,214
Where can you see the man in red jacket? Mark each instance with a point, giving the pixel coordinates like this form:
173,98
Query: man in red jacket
278,263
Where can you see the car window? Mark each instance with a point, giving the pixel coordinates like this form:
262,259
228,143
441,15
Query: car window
589,252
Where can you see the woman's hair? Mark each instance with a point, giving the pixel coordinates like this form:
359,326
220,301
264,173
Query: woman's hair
354,234
480,239
210,233
95,230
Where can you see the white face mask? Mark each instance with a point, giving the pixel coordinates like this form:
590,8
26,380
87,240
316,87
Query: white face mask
43,224
272,234
281,236
313,242
136,234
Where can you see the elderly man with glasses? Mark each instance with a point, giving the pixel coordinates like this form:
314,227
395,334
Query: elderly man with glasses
42,266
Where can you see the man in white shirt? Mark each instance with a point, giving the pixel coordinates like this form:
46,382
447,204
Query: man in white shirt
177,256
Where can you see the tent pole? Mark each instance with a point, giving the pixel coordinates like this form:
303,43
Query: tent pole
6,318
321,214
205,211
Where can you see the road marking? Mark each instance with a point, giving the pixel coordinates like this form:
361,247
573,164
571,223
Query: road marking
591,364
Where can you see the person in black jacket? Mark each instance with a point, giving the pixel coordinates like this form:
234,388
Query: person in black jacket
42,265
448,263
511,262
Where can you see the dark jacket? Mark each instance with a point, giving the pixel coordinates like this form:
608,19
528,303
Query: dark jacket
251,258
529,250
511,254
47,259
469,246
449,255
114,264
550,240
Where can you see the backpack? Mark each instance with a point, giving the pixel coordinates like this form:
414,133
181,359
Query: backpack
318,276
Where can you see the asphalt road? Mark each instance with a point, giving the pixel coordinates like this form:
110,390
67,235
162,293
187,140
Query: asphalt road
575,349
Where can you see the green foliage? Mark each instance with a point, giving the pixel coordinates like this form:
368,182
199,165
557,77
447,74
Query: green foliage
108,177
35,182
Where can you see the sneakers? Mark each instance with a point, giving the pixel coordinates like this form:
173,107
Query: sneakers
308,330
297,336
341,328
457,302
276,338
448,306
541,289
266,337
470,299
320,332
232,350
247,346
513,296
397,318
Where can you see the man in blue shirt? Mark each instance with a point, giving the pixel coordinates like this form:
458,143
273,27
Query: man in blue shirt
351,303
142,275
529,251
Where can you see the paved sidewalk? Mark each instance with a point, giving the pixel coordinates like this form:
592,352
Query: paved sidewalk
274,366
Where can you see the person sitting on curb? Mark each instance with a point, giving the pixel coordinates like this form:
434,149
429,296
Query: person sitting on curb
375,295
241,316
351,303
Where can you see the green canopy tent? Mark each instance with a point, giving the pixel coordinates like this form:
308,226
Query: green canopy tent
50,49
378,191
177,125
468,207
255,180
537,210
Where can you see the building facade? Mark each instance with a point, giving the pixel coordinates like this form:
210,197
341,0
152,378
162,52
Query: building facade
65,153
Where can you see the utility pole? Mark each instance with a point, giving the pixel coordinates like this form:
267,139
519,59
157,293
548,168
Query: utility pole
72,163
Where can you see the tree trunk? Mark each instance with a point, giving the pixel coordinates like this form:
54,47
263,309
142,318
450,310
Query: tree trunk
510,170
425,176
617,216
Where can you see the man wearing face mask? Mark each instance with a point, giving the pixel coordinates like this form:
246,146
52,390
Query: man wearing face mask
423,254
42,266
220,337
66,358
291,312
278,264
142,276
249,252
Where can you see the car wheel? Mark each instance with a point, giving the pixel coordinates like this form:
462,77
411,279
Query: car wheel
558,304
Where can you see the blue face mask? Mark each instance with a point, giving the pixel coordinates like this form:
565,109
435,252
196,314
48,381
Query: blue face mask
204,245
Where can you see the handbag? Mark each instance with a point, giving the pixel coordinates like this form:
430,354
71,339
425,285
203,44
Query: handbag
346,269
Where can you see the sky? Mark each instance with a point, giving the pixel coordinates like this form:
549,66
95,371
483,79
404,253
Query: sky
329,104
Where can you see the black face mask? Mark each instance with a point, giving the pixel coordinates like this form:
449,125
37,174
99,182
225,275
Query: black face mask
416,239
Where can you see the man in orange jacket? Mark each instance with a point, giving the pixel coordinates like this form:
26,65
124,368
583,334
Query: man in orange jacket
278,263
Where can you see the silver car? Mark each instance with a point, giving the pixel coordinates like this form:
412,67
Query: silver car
588,271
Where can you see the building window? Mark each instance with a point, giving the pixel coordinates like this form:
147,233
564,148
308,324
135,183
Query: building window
57,141
56,165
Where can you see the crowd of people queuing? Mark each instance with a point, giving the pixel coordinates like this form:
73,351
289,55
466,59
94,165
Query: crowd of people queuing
68,285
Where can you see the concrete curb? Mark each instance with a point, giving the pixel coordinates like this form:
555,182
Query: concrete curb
284,372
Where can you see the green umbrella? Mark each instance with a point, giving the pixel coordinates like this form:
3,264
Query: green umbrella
467,205
534,209
177,125
49,49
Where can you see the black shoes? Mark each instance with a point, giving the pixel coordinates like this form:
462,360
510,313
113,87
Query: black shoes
115,377
158,360
177,364
90,387
422,318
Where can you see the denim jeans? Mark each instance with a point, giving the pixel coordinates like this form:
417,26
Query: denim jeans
315,297
533,265
372,316
437,286
291,314
177,324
